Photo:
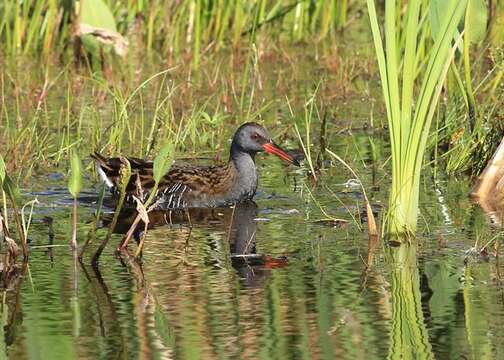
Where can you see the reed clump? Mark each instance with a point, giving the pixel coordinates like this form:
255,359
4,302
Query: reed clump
167,28
409,122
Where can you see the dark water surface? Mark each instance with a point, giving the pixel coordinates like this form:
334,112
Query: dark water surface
264,280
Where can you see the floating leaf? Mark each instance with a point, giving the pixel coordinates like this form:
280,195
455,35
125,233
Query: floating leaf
163,161
75,180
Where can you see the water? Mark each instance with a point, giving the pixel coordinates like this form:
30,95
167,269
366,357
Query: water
301,290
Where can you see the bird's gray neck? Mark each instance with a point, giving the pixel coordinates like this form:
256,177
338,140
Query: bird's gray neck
246,182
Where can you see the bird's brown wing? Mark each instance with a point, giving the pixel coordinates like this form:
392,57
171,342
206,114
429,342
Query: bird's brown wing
180,187
190,186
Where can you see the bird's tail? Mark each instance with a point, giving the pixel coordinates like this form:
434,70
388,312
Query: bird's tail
107,168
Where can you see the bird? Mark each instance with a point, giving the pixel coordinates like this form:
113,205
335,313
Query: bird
198,186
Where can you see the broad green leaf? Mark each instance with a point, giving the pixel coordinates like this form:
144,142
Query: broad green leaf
96,13
496,31
163,161
75,180
2,170
477,13
11,189
97,26
437,12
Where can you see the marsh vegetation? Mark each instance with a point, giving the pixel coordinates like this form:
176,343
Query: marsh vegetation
372,248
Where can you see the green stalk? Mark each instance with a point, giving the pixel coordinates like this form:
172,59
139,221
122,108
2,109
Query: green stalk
408,133
197,34
467,64
124,178
341,15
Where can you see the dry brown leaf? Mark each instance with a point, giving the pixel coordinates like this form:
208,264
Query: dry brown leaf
105,36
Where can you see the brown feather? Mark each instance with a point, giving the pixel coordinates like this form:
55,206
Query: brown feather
193,181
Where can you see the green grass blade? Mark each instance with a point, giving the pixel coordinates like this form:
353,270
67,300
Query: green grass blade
409,70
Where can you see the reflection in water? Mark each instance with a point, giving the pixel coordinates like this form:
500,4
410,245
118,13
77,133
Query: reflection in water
195,307
221,289
239,225
409,338
108,319
11,309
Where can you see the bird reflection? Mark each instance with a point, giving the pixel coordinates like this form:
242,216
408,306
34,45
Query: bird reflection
238,223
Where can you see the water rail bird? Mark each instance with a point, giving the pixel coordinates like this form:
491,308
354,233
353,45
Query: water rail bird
199,186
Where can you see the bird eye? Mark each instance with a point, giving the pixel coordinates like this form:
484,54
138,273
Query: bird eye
255,136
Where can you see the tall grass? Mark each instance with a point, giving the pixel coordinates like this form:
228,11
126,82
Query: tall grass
403,81
170,28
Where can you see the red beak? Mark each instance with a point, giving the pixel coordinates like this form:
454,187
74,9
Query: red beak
272,148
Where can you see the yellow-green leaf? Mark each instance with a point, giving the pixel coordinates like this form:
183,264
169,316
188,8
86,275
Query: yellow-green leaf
2,170
477,13
75,180
11,189
163,161
97,26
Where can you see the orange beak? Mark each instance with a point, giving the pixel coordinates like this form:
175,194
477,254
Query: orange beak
272,148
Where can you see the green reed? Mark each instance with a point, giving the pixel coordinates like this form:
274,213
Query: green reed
409,125
11,191
170,27
468,123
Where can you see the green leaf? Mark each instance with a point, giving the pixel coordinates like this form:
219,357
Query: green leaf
477,13
11,189
75,180
97,27
437,11
163,161
496,31
97,14
2,170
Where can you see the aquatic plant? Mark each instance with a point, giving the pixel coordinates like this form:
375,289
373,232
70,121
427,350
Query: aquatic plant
161,164
409,122
9,260
475,23
11,190
372,228
124,178
170,28
409,338
74,187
